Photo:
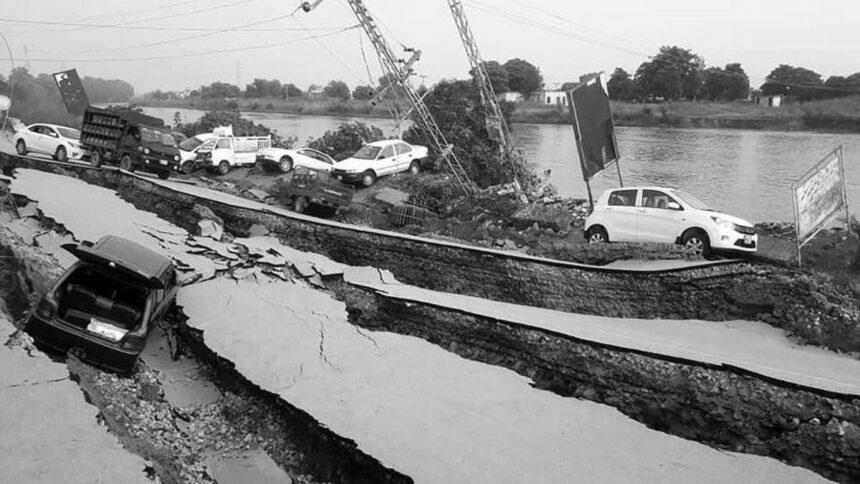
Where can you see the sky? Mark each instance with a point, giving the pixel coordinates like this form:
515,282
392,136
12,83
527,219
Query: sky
179,44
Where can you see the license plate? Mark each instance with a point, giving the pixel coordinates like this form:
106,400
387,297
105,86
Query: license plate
163,162
748,239
340,178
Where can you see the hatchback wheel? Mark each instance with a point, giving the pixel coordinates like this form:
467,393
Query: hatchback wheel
21,147
61,154
286,164
697,242
597,235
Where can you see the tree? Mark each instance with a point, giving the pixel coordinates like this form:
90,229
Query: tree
725,84
620,86
674,73
337,90
799,82
390,89
219,90
107,90
264,88
346,139
292,91
523,77
840,86
498,76
363,93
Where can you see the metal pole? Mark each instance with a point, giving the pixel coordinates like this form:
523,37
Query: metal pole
618,167
844,190
796,221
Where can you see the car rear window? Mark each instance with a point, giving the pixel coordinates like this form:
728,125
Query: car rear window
622,198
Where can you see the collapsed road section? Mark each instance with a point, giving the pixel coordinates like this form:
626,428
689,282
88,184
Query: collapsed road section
323,329
408,403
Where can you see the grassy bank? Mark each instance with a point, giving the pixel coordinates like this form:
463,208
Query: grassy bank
838,115
841,115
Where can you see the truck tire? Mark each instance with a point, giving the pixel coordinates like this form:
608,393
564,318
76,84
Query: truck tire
187,167
223,168
125,163
21,147
96,159
368,178
163,174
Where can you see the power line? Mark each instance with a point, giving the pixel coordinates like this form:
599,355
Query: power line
330,52
154,27
571,22
194,54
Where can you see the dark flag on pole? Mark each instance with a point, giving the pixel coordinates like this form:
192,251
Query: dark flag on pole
593,127
72,91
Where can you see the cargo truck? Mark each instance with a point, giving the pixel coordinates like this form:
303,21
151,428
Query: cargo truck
133,140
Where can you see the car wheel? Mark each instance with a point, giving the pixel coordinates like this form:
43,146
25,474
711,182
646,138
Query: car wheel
697,242
21,147
96,159
286,164
368,178
300,204
415,168
597,235
61,154
125,163
223,168
187,167
163,174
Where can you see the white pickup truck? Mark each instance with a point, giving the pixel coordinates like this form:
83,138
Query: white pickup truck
225,152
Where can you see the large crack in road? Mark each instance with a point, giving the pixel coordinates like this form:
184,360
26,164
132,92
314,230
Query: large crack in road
403,401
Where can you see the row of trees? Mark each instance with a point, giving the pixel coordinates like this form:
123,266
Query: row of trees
36,98
676,73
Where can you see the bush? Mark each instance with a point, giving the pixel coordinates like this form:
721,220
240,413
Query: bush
241,127
346,139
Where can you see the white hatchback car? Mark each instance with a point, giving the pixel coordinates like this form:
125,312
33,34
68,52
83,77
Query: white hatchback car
60,142
656,214
377,159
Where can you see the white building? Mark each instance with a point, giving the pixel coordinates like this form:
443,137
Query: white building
553,97
512,97
773,101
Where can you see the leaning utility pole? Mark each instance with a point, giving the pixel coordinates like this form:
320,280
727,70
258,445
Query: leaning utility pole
497,128
398,71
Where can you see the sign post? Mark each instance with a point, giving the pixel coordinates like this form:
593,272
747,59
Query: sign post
819,195
593,129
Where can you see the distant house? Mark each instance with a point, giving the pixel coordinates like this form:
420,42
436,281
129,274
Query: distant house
315,92
553,97
512,97
773,101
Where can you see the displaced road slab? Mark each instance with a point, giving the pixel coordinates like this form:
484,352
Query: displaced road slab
747,345
48,432
432,415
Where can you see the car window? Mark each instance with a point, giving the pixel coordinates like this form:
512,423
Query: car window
656,199
622,198
387,152
36,129
70,133
367,152
403,148
223,143
50,132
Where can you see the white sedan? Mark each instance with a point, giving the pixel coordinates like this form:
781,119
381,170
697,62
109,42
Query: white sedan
60,142
286,159
377,159
657,214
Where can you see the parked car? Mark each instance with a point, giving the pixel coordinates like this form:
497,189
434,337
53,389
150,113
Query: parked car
286,160
60,142
377,159
189,149
105,305
657,214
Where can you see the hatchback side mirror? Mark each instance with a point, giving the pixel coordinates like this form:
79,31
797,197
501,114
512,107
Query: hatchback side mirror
674,206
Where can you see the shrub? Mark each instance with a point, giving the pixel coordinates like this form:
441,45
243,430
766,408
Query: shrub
346,139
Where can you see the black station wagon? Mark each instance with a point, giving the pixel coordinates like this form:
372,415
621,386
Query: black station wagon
105,305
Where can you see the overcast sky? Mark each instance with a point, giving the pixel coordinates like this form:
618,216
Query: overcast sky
562,37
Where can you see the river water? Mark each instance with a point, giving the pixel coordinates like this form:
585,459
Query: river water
743,172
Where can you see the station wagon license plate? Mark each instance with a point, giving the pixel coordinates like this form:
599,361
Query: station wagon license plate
105,330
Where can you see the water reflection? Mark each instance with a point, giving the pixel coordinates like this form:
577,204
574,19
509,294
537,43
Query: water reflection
748,173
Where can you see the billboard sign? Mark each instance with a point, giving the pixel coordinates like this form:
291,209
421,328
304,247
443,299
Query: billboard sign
592,126
819,195
72,91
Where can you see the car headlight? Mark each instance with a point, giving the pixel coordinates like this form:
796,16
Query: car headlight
175,157
146,151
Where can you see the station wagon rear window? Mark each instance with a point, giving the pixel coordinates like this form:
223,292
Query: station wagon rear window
622,198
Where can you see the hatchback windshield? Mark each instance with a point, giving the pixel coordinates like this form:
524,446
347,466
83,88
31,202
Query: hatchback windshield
69,133
692,201
191,143
367,152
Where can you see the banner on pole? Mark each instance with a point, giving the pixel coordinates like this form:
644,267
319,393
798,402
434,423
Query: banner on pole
72,91
819,195
593,127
